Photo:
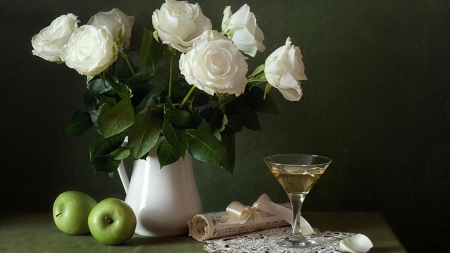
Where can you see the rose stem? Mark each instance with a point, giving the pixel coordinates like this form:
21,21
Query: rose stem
188,95
173,54
127,60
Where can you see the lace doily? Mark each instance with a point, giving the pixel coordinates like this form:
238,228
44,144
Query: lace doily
264,242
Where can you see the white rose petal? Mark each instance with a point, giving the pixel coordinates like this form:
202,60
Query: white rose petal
90,50
48,42
114,21
215,64
179,24
242,29
356,244
284,69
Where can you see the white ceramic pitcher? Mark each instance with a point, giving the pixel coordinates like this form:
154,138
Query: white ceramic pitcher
162,199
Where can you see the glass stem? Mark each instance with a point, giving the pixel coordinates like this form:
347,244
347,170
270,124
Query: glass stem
297,202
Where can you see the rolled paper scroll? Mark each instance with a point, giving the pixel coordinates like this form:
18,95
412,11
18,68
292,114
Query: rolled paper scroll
239,219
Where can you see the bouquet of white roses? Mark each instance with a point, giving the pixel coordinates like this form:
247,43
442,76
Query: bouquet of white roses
197,109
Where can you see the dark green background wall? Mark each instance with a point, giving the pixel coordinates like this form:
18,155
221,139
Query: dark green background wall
376,102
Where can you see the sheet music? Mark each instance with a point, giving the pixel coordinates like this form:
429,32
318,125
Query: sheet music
213,225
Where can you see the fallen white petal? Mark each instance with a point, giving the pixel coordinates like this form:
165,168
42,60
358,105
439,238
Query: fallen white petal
305,227
356,244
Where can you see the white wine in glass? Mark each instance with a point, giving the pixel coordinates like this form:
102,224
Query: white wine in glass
297,174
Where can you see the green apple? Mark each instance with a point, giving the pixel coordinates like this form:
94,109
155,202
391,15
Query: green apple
71,211
112,221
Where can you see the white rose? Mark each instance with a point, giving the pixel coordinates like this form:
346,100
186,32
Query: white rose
215,64
116,22
48,42
284,69
90,50
242,29
179,23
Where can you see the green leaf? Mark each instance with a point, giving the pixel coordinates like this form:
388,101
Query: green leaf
97,116
94,117
159,88
166,153
207,113
123,66
99,86
257,72
119,88
235,122
103,146
105,163
250,118
89,78
90,100
140,82
144,133
109,100
175,136
151,96
120,153
229,141
201,99
224,123
140,78
151,50
118,118
195,121
180,89
79,123
256,100
146,46
179,118
204,146
144,103
216,119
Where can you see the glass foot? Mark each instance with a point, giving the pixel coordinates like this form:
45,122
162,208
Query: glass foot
296,242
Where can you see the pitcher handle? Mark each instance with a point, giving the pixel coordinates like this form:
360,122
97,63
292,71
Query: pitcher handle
123,176
122,172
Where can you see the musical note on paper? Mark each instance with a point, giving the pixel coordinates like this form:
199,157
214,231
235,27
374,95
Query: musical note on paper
216,232
269,214
243,229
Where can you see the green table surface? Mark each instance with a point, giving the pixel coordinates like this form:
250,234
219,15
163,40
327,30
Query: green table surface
36,232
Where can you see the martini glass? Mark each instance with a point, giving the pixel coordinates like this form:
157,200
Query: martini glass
297,173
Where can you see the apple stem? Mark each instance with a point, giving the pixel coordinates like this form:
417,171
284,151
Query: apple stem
57,215
108,219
